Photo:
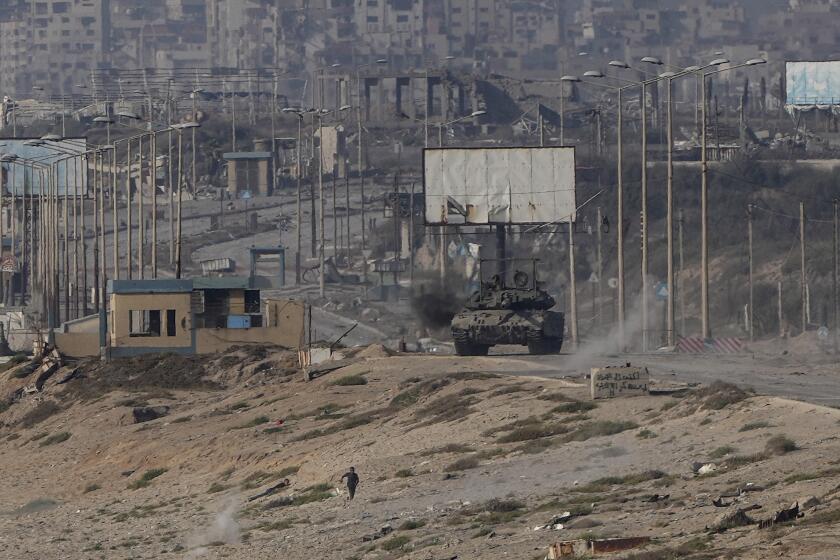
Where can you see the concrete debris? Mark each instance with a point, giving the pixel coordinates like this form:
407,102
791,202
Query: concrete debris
809,502
583,547
383,531
781,516
654,498
148,413
49,365
732,519
556,522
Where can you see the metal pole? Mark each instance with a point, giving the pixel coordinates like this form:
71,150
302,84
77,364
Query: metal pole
573,329
298,253
115,218
562,111
66,223
599,263
141,222
704,224
644,240
750,308
180,197
802,279
334,208
620,229
321,259
97,176
681,282
103,271
347,210
670,218
313,226
153,173
362,172
82,233
834,299
76,199
128,260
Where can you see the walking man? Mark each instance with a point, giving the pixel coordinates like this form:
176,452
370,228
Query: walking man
352,482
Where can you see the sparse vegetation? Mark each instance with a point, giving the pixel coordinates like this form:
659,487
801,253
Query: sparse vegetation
181,419
404,473
55,438
601,428
350,380
146,479
462,464
288,471
646,434
395,543
780,445
719,395
259,420
448,448
412,524
721,452
754,426
91,488
40,413
605,483
494,512
239,406
574,407
217,487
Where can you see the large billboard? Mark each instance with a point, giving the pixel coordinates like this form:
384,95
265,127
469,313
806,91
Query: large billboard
27,173
480,186
812,83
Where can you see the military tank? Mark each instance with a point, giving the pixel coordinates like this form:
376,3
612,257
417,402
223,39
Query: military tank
508,314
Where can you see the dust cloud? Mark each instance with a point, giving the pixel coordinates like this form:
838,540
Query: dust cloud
225,529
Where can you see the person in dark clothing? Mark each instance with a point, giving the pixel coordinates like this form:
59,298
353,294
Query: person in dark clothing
352,482
274,489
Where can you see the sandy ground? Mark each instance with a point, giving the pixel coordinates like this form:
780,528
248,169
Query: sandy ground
460,457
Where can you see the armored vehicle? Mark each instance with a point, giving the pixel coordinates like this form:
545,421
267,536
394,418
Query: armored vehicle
499,313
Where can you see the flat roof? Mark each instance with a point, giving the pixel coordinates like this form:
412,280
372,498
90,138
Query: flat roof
246,155
173,286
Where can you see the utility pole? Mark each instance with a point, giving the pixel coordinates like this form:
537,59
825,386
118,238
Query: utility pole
299,201
573,330
141,222
129,239
180,199
541,125
362,170
599,260
347,207
704,224
115,223
321,259
334,206
802,280
669,222
644,240
781,318
681,283
620,227
96,186
751,311
834,274
153,174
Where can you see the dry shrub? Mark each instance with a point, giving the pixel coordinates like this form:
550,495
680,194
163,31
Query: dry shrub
720,394
40,413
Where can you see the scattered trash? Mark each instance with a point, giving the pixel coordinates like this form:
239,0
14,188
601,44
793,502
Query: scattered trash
594,546
556,522
653,498
707,468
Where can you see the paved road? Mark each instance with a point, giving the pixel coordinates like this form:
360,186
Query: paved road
806,378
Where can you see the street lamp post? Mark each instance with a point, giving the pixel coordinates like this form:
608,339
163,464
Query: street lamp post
704,202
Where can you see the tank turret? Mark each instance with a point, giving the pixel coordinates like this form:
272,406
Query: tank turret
499,313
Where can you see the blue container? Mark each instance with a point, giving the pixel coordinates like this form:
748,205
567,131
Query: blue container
239,322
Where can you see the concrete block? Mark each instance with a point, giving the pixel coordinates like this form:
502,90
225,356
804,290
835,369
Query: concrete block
622,381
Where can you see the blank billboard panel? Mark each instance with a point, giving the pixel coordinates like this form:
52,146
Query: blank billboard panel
33,164
812,83
480,186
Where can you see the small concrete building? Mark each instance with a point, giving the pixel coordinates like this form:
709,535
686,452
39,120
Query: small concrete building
193,316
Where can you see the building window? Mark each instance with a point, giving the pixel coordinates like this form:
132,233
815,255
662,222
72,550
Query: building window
170,322
144,322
